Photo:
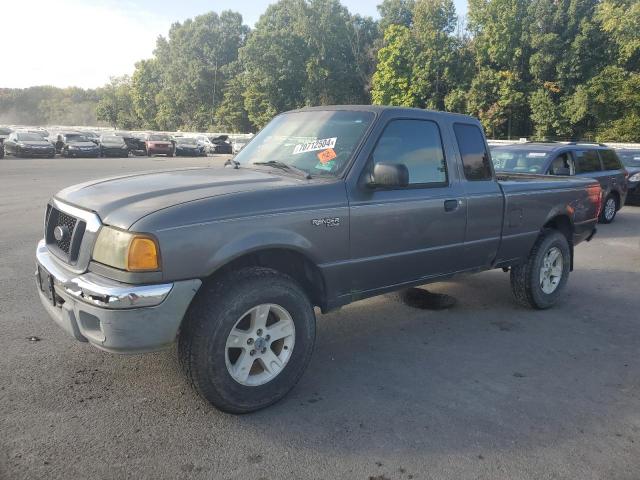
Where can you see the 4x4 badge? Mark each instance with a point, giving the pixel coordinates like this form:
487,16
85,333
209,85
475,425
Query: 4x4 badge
327,222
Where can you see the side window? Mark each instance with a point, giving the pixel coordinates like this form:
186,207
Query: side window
475,158
416,144
562,165
610,160
587,161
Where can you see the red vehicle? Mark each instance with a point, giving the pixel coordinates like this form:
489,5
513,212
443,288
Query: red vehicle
160,144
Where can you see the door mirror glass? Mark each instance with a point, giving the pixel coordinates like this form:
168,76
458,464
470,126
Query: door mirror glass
389,175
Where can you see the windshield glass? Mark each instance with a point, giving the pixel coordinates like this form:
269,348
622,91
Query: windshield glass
518,160
159,138
29,137
77,138
630,158
187,141
318,142
112,139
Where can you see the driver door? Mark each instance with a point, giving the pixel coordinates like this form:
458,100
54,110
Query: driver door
404,234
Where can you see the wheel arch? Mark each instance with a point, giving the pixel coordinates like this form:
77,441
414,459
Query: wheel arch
285,259
563,224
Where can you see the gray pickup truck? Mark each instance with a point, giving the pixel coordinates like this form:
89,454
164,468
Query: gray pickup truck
323,207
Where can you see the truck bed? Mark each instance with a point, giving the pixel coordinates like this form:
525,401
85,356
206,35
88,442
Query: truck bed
532,201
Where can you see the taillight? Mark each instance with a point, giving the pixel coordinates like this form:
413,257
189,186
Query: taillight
595,196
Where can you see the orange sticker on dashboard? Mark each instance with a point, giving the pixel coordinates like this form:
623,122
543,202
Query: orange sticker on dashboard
327,155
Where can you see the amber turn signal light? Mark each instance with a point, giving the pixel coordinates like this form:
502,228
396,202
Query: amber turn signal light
143,255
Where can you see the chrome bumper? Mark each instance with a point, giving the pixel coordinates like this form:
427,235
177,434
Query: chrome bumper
99,291
114,316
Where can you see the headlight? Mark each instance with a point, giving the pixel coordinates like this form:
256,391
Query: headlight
133,252
635,177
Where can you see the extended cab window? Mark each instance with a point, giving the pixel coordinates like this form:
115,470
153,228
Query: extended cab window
475,158
417,145
610,160
587,161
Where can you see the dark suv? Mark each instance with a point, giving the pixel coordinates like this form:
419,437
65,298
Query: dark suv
582,159
631,161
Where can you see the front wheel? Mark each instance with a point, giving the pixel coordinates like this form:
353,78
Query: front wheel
247,339
609,210
539,282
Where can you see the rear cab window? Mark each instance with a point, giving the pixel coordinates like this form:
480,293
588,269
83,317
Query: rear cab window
587,161
473,150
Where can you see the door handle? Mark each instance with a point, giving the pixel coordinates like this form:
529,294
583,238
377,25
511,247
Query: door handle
451,205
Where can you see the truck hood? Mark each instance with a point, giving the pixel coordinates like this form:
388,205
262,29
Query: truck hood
121,201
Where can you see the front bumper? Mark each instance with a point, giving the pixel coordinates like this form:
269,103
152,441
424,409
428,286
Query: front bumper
113,316
35,152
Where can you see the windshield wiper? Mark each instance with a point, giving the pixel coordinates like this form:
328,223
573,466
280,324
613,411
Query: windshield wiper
285,166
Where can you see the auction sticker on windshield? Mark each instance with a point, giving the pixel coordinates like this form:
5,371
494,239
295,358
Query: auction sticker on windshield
315,145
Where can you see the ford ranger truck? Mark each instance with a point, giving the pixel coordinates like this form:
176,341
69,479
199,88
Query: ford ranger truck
323,207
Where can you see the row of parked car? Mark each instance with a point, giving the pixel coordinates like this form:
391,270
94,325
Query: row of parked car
41,143
617,170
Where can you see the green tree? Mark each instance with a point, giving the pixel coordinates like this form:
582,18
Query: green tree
396,12
191,61
115,106
145,87
621,21
392,81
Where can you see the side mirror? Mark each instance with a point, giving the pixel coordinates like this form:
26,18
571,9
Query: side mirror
389,175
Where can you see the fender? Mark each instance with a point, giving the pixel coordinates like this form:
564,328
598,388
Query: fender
261,240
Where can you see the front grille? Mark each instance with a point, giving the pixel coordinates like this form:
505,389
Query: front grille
67,245
69,222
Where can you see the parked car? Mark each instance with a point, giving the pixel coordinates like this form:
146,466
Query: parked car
78,145
160,143
324,207
631,160
222,145
206,142
26,144
237,145
189,147
93,136
58,139
113,146
580,159
135,141
4,133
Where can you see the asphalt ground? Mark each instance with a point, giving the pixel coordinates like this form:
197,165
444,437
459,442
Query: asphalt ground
485,390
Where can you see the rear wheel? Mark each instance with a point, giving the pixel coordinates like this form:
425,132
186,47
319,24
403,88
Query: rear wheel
540,281
247,339
609,209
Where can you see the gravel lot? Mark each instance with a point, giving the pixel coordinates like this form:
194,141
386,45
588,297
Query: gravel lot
486,390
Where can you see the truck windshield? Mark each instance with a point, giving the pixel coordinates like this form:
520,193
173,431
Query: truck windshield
518,160
317,142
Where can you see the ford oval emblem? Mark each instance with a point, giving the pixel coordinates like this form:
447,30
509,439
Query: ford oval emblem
61,233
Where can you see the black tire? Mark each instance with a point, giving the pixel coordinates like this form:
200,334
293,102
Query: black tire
214,312
607,215
525,278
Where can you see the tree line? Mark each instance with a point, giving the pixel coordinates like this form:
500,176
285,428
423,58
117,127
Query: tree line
535,68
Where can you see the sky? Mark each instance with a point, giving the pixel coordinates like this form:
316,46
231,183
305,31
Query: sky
85,42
